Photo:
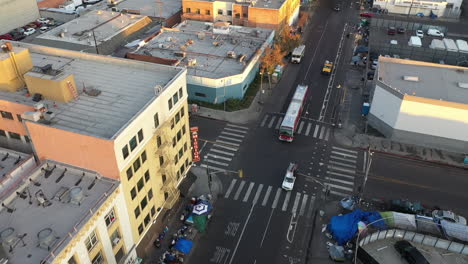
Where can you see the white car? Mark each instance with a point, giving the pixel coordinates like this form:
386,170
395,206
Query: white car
449,216
43,20
29,31
419,33
290,177
43,29
435,33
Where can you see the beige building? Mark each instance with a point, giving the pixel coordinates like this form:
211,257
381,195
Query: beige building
18,13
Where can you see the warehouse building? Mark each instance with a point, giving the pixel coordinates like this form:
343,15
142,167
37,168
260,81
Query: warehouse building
421,103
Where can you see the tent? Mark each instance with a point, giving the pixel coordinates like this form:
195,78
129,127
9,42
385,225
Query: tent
362,49
183,245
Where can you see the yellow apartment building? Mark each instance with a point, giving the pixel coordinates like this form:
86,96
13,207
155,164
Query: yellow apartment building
124,119
251,13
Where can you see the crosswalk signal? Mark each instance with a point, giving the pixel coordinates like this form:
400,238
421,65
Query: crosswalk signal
241,174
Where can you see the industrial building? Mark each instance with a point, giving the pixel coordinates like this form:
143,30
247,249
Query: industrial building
97,31
56,213
166,11
421,103
16,14
123,119
250,13
439,8
221,59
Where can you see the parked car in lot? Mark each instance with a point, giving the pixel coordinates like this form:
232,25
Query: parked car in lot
29,31
401,30
410,253
43,29
419,33
17,35
366,15
43,20
391,31
449,216
435,33
290,177
7,37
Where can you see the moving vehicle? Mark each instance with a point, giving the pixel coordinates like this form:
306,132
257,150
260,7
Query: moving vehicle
337,8
29,31
327,68
366,15
391,31
419,33
293,114
297,54
449,216
434,32
410,253
290,177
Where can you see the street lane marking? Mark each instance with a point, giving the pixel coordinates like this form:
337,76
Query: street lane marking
241,234
340,181
301,125
339,187
286,201
339,163
308,129
235,130
257,194
236,196
230,138
311,206
212,167
216,162
316,130
264,121
267,195
224,147
347,150
303,204
327,134
279,122
231,186
321,132
227,143
275,201
341,169
249,190
343,159
296,203
232,134
222,152
271,121
340,174
316,48
241,127
218,157
344,154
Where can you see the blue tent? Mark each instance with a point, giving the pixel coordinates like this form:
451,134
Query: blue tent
183,245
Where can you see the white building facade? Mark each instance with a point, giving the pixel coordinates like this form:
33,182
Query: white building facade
440,8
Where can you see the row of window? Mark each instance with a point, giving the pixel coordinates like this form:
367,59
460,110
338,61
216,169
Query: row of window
140,184
148,217
181,152
208,12
13,135
175,98
133,143
136,165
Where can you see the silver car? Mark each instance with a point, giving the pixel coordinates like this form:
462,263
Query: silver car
449,216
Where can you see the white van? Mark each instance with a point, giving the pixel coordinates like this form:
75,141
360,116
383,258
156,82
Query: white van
450,45
434,32
415,42
462,46
297,54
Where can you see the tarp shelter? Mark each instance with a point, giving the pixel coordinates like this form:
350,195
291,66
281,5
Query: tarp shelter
183,245
362,49
200,222
454,230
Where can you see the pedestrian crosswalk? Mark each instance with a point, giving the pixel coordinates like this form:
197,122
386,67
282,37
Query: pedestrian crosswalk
306,127
224,148
341,171
269,196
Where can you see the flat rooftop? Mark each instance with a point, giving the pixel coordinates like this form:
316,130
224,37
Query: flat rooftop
269,4
208,47
153,8
99,24
9,160
56,200
436,81
126,86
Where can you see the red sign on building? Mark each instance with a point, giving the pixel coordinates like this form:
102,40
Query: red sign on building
196,154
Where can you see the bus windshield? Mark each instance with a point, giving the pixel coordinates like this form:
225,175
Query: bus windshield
286,131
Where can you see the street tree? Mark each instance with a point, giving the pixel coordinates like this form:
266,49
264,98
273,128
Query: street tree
272,57
287,38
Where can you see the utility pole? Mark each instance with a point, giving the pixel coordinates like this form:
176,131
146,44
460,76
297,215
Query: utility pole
411,6
95,42
160,4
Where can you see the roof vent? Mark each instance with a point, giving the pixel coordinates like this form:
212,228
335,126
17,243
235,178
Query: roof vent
10,239
91,91
158,89
231,54
192,62
76,195
46,238
411,78
463,85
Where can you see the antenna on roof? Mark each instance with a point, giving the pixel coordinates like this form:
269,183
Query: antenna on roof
93,183
18,160
79,181
35,182
5,157
61,176
9,209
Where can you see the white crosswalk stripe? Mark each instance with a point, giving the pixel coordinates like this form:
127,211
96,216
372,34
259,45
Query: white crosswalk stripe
235,130
213,168
305,126
232,134
230,138
237,126
279,123
218,157
341,171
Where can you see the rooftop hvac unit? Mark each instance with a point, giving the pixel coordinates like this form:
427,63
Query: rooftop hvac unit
180,54
158,89
31,116
411,78
231,54
8,237
201,35
49,115
192,62
38,106
76,195
241,58
463,85
46,238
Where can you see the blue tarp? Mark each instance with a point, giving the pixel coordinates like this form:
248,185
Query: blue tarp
183,245
344,227
362,49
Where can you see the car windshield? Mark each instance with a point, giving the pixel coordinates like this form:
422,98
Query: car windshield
289,180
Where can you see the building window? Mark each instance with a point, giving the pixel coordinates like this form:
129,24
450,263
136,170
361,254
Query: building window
164,178
181,152
176,159
150,194
197,11
120,254
158,141
183,130
98,259
15,135
143,157
244,15
166,195
136,165
186,162
133,193
200,94
129,173
179,135
174,141
110,218
91,241
147,176
178,175
72,260
143,203
147,219
115,237
140,184
169,103
182,169
140,135
137,211
208,12
153,211
26,138
181,93
6,115
2,133
172,123
19,118
220,11
133,143
156,120
140,229
161,160
175,98
182,112
177,118
185,147
229,12
237,15
187,10
125,152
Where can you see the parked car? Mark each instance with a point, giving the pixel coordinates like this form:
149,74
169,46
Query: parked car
7,37
43,20
43,29
391,31
366,15
290,177
419,33
401,30
375,64
407,207
38,24
29,31
17,35
449,216
30,25
410,253
435,33
337,8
